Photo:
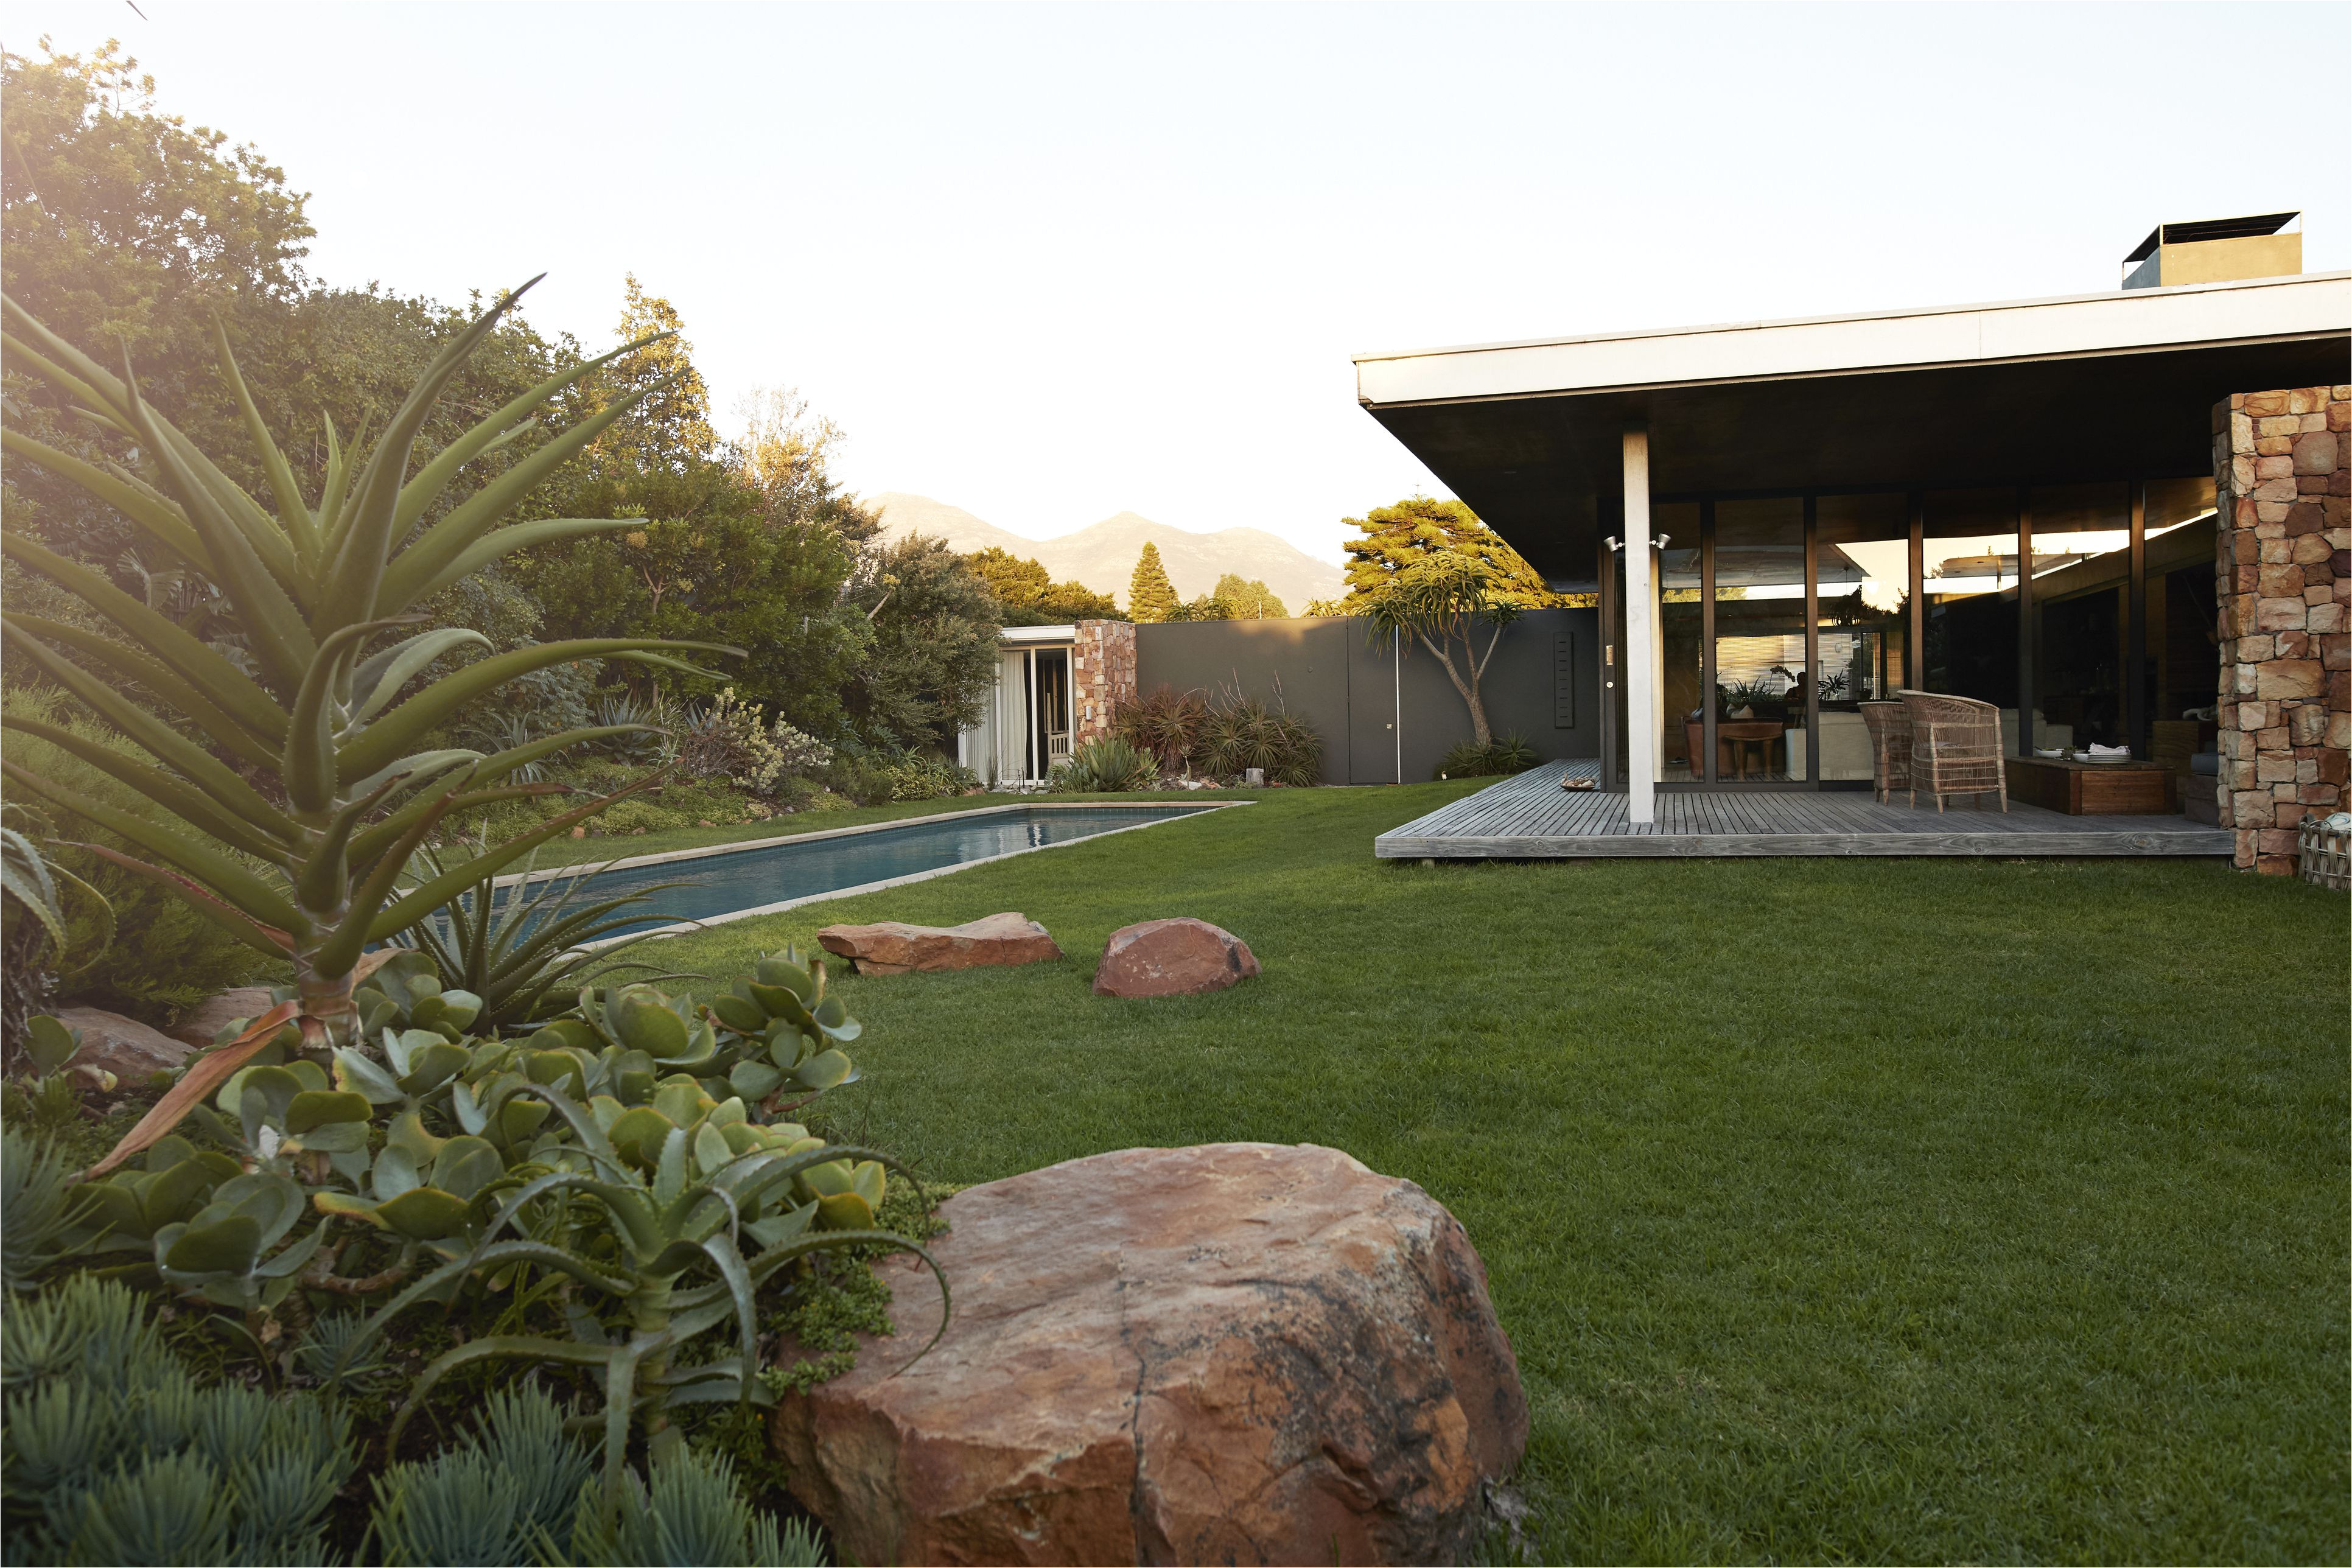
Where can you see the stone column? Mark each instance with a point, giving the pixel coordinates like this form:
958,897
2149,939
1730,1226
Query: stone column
2282,571
1102,676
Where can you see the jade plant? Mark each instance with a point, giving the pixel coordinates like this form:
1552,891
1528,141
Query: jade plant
294,776
621,1183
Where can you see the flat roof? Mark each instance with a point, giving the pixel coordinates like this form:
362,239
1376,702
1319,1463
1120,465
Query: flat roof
2084,386
2118,320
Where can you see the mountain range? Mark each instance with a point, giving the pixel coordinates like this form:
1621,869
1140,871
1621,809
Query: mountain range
1102,555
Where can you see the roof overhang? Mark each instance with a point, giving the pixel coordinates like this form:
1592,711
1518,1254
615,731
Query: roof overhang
1030,636
2043,390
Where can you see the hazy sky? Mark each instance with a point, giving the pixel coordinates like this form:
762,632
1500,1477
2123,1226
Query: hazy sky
1048,263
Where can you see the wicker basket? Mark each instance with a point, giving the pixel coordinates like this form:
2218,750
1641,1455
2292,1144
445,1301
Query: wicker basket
2325,855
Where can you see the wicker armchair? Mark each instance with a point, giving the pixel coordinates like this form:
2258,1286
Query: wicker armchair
1890,747
1954,747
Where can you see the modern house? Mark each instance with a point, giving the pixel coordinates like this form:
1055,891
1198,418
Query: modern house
2083,511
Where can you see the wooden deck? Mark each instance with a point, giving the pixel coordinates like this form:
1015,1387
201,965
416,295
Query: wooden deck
1530,817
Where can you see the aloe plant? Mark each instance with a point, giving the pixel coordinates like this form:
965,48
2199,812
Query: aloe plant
628,1220
539,941
290,823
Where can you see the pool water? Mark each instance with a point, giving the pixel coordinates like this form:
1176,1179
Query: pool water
729,882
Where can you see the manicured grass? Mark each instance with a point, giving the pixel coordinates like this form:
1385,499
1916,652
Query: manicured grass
1907,1210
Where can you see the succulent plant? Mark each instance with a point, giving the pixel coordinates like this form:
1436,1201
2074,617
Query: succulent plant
290,791
654,1214
788,1032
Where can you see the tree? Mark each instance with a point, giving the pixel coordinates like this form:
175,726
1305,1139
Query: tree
1203,607
1429,572
1031,598
933,662
1395,537
1150,597
1250,601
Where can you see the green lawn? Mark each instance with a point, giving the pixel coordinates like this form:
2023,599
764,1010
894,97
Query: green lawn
1918,1210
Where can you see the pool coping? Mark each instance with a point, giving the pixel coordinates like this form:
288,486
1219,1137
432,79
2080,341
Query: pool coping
687,928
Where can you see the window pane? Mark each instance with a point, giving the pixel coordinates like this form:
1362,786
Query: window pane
1863,560
1972,597
2082,568
1759,643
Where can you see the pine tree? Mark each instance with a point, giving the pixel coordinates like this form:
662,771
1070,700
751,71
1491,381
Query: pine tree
1150,597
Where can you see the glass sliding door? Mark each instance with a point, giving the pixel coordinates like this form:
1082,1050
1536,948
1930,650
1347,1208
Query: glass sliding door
1761,682
1969,558
2082,580
1681,645
1861,563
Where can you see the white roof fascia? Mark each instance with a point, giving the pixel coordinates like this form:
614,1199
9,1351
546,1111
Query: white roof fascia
1020,634
2138,321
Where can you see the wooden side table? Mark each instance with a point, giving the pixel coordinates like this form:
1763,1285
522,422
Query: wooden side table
2092,789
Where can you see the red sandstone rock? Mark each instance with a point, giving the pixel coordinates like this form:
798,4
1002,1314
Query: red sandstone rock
1238,1352
893,948
204,1025
1173,957
123,1046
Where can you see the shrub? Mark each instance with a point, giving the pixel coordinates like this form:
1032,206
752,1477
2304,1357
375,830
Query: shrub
1508,753
1166,723
734,740
115,1454
1106,765
876,778
1222,737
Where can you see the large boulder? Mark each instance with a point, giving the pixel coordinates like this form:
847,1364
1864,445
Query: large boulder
204,1022
892,947
1238,1352
1173,957
123,1046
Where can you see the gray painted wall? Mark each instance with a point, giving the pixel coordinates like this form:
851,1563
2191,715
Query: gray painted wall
1542,683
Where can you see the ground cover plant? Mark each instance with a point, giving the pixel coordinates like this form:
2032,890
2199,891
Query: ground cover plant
1935,1210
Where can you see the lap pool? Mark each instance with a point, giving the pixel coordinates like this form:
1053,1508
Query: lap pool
732,881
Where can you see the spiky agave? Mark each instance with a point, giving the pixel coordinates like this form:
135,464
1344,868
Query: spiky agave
304,862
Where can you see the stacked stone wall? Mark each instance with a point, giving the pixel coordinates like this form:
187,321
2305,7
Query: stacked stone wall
2282,485
1102,676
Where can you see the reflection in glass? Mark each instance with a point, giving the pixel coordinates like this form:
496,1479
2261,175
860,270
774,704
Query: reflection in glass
1760,687
2176,503
1682,748
1970,594
1862,557
2082,571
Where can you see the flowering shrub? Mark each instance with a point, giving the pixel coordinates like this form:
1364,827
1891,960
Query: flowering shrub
734,740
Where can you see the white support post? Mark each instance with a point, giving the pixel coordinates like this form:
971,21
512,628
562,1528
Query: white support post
1641,673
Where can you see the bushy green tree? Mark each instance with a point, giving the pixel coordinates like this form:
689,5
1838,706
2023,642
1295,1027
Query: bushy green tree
1029,595
1150,597
933,658
1392,538
1250,600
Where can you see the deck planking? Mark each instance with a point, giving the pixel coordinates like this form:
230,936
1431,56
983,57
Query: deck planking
1530,817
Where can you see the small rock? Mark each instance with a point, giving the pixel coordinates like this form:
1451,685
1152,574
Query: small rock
891,947
204,1022
123,1046
1239,1353
1173,957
